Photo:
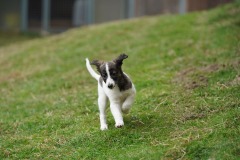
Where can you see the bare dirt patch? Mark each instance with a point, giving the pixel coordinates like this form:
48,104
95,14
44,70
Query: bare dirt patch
11,77
192,78
235,81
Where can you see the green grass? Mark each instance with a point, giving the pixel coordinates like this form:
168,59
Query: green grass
186,70
8,38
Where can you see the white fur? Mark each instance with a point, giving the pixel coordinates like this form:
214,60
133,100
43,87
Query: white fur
109,81
91,71
120,101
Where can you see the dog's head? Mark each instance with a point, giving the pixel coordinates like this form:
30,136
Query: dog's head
111,72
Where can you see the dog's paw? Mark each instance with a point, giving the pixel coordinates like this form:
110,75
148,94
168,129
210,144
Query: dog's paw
119,125
104,127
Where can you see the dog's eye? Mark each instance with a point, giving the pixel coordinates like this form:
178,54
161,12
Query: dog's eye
104,75
113,73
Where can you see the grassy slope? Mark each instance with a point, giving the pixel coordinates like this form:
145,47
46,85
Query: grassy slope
7,38
186,71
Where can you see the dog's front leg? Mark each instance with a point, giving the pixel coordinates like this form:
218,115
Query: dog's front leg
117,114
102,101
128,103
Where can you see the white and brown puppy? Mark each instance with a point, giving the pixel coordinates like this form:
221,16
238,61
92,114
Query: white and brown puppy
113,85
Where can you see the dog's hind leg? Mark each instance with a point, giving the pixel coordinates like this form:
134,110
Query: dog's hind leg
102,102
127,104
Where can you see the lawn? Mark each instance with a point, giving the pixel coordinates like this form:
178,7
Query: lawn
8,38
186,69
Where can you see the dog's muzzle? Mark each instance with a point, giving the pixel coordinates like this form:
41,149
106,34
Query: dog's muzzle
110,86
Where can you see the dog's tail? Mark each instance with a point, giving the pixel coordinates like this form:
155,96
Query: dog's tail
91,71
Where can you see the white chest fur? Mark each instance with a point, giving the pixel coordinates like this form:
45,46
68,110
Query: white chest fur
115,95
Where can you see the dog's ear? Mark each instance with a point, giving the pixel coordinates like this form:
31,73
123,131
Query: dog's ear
120,58
97,63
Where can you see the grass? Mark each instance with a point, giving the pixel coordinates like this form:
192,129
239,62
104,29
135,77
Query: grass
8,38
186,71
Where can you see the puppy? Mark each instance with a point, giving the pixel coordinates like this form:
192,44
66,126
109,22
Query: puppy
113,85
